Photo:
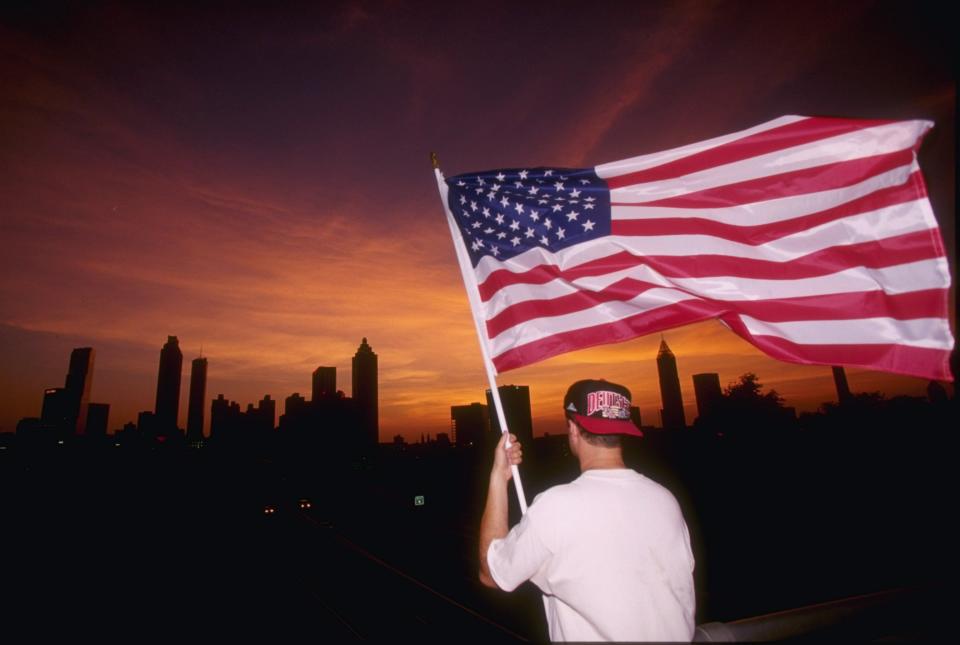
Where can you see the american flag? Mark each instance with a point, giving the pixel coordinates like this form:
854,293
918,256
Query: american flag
812,238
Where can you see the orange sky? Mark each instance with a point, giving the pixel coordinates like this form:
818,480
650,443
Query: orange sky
263,191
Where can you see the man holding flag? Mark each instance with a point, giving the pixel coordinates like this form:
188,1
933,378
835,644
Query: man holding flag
610,551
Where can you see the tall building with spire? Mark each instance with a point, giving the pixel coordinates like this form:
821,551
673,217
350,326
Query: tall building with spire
167,409
671,415
198,393
365,394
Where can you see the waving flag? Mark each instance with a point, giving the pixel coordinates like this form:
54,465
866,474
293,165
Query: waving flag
812,238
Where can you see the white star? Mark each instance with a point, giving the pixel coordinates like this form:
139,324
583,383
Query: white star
533,190
518,208
515,240
480,181
529,232
589,199
543,201
560,233
476,245
548,223
587,226
572,215
504,202
573,201
523,174
557,208
501,235
499,218
514,225
460,183
584,181
479,243
495,187
501,176
486,212
488,230
544,240
535,216
589,207
473,206
563,178
558,185
574,193
478,190
491,195
463,200
475,225
547,173
495,251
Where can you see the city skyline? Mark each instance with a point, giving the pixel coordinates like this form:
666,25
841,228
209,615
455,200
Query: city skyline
155,189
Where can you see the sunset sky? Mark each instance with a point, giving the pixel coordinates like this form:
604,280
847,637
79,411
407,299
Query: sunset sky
257,181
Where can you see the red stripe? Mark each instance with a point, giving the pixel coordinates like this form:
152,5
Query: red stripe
682,313
910,247
929,303
786,136
902,359
763,233
796,182
923,362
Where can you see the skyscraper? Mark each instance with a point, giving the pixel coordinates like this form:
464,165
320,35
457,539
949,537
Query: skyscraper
167,409
324,382
671,414
198,394
707,388
98,416
76,395
516,409
365,393
469,424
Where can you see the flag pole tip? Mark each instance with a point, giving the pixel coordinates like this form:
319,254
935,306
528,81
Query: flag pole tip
434,160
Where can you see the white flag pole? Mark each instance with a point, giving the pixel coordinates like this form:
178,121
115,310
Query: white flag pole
473,296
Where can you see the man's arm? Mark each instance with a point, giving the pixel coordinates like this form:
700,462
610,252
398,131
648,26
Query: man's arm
493,525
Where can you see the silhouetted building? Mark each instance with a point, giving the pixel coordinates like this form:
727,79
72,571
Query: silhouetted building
293,405
98,416
198,395
468,424
266,415
224,417
843,389
53,414
168,384
324,382
365,393
147,426
709,395
77,389
671,415
516,410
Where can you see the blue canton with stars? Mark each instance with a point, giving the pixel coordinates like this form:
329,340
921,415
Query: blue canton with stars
502,213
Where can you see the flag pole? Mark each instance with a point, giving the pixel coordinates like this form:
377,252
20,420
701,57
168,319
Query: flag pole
473,296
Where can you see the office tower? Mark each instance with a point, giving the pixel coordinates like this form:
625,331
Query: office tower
671,414
469,424
76,395
198,394
365,393
168,385
707,388
220,417
53,413
516,409
324,383
98,417
266,414
843,389
294,404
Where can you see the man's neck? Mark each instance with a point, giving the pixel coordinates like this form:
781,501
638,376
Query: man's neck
601,460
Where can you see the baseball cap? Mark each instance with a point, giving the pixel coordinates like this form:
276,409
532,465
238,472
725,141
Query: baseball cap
600,407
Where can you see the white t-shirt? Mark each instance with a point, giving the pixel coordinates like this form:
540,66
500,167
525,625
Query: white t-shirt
611,552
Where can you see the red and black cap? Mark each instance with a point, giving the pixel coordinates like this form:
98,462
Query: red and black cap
600,407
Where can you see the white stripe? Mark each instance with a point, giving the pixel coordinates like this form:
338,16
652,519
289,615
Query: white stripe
858,144
539,328
773,210
932,333
864,227
902,278
643,162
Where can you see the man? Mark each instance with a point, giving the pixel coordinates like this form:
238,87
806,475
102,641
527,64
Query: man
610,550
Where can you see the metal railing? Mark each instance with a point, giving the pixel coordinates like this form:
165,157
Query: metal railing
899,614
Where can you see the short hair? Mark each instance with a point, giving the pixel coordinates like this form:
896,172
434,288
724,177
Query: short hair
601,440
